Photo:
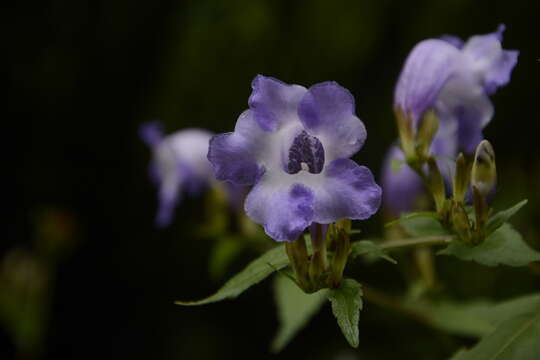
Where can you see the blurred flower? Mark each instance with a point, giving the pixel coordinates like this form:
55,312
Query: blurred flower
179,164
455,79
400,183
294,145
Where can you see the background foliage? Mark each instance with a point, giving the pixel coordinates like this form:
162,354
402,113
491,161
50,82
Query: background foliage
81,77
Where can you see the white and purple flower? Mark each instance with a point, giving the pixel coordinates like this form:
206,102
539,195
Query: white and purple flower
455,79
293,144
178,164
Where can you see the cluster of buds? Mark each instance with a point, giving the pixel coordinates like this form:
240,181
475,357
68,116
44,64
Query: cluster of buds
481,174
475,175
330,248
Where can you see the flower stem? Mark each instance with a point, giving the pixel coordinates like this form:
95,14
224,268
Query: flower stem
421,241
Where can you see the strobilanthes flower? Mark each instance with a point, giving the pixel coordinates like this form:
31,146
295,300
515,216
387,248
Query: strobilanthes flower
178,165
293,144
455,79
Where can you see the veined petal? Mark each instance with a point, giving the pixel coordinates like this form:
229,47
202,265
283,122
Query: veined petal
493,64
425,72
234,156
273,102
401,188
327,111
284,211
348,191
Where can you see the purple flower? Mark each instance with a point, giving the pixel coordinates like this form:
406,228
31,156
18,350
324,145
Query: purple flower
293,144
178,164
455,79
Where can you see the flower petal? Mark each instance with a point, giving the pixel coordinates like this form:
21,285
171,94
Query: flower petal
190,147
234,155
489,59
168,197
427,68
464,107
349,191
274,102
151,133
454,40
327,111
401,188
284,211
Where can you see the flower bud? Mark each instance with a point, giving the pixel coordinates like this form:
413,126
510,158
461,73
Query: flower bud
484,172
340,237
461,178
427,128
298,257
460,222
436,184
406,135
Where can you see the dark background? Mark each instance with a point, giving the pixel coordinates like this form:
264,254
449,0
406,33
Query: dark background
82,76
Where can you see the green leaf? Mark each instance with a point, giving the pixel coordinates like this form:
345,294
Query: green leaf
414,215
346,305
475,318
517,338
295,309
511,308
461,318
372,250
505,246
255,272
497,220
422,226
460,355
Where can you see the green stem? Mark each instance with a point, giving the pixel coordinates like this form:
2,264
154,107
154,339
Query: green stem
421,241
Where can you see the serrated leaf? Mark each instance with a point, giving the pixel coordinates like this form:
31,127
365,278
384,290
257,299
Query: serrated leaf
346,305
372,250
517,338
414,215
295,309
505,246
422,226
501,217
256,271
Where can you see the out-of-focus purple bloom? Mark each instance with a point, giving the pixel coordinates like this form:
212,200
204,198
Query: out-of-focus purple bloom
400,183
293,144
455,78
178,164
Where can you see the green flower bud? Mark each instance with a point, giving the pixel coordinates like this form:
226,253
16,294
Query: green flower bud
461,178
460,222
436,184
484,172
427,128
406,133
